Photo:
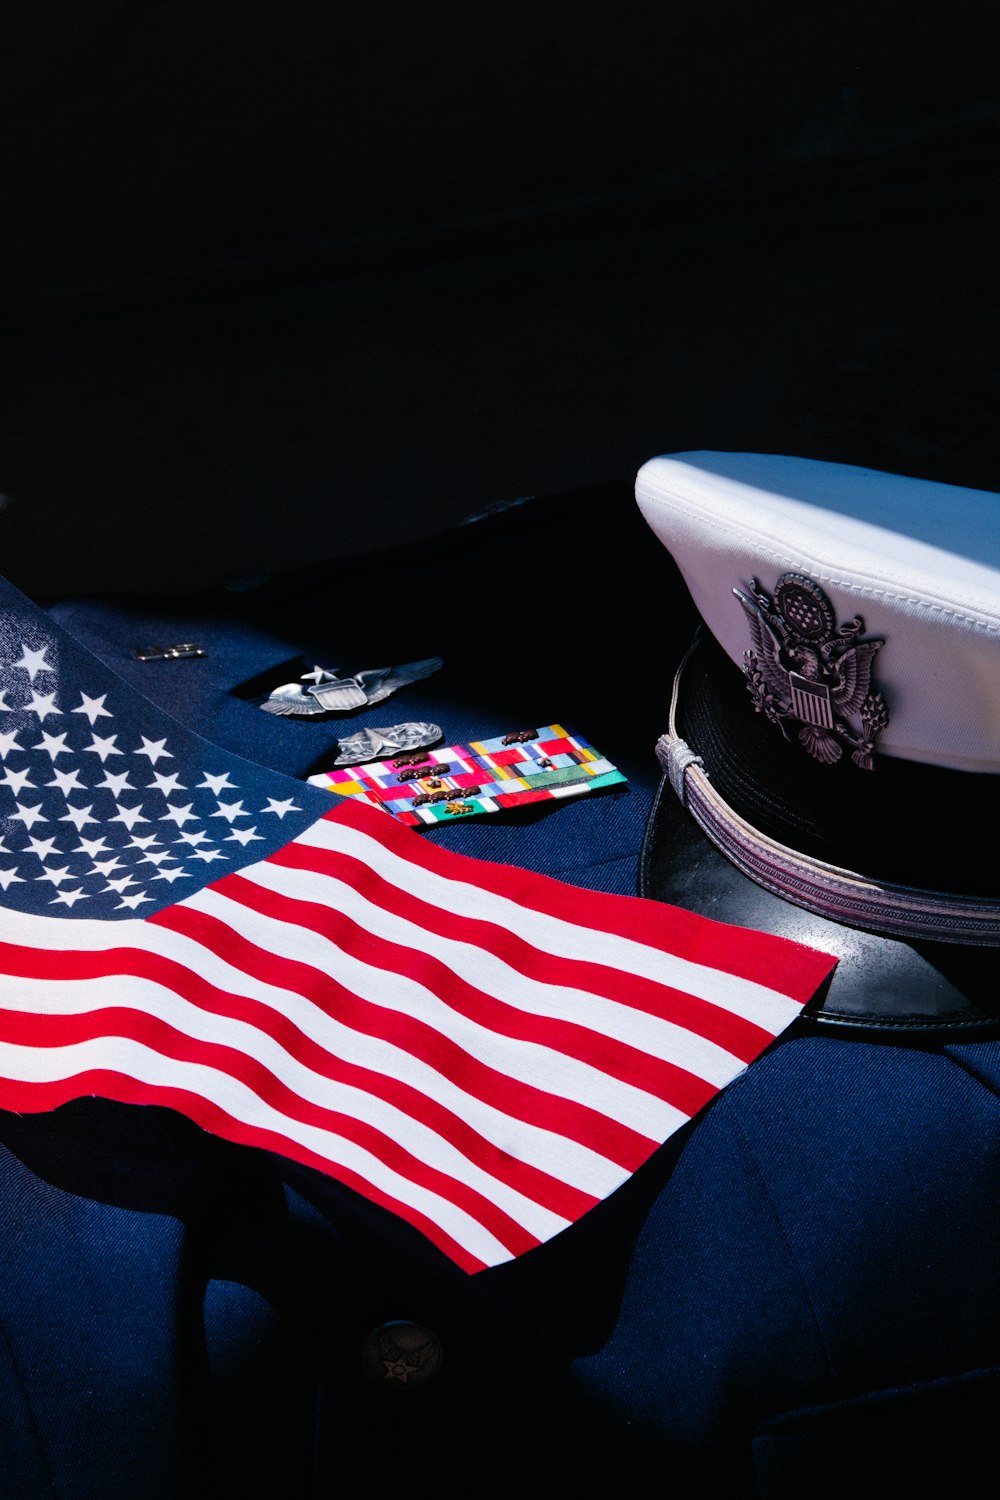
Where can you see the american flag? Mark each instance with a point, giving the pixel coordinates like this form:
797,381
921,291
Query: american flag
483,1050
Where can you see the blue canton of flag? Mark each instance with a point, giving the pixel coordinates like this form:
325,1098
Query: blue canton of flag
109,807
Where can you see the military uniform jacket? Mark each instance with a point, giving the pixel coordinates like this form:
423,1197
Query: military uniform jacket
798,1288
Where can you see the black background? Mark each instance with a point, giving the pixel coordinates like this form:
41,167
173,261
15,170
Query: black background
293,280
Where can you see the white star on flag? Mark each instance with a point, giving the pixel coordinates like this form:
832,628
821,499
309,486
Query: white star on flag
115,782
53,745
16,780
179,815
32,662
78,816
154,749
167,784
103,745
43,848
130,816
280,807
43,704
217,784
93,846
244,836
93,708
230,810
133,901
67,781
29,814
70,898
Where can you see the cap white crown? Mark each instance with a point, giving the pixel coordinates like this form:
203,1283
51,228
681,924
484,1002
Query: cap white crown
917,560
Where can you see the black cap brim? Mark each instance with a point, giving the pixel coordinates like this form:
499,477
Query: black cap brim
881,985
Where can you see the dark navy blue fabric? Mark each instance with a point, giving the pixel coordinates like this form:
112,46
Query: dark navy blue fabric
802,1285
832,1229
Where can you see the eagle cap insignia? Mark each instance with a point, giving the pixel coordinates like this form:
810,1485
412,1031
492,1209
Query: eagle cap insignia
802,668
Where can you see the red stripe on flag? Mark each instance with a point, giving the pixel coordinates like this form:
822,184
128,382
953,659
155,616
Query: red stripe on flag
776,963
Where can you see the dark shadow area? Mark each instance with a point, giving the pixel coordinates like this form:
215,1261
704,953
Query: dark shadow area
288,283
